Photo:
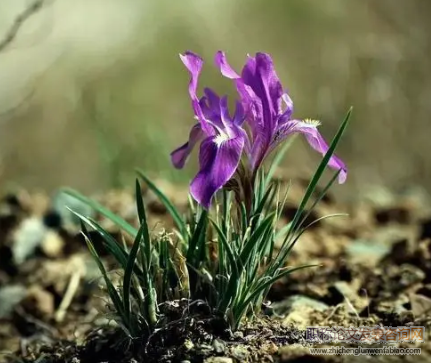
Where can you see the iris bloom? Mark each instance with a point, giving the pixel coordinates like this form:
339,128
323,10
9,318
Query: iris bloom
261,121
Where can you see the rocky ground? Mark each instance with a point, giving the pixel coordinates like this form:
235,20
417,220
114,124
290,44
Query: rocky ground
376,270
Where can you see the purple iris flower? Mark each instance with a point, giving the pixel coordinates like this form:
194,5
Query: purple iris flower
262,120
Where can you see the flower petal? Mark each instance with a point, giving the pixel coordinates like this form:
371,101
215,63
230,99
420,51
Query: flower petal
194,65
225,68
260,75
218,161
315,139
251,104
239,116
210,106
288,111
270,81
225,117
180,155
261,92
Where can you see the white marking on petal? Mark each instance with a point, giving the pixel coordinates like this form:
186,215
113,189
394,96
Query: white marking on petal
312,122
221,138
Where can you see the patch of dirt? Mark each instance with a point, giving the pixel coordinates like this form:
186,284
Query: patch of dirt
375,270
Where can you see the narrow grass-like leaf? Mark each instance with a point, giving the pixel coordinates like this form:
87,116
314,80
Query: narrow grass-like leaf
179,221
112,291
109,242
234,278
246,252
289,246
318,199
244,219
323,218
260,186
279,157
229,252
143,222
320,169
120,222
264,285
128,271
313,183
267,197
197,241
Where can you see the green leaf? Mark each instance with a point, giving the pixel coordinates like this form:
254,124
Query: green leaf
264,285
110,243
319,198
244,218
112,291
167,203
251,244
260,186
269,195
120,222
316,177
279,157
321,168
143,222
234,279
128,271
196,250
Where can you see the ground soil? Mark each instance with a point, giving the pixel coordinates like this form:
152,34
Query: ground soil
375,270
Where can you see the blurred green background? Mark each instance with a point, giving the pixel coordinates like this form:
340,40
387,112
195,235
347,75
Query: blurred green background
90,89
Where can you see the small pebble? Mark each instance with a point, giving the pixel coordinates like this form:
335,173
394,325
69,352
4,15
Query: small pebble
27,238
38,303
52,245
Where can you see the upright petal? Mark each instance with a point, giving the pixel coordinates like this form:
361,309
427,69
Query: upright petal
309,129
264,103
250,102
239,116
270,81
180,155
194,65
210,105
218,159
225,117
225,68
288,110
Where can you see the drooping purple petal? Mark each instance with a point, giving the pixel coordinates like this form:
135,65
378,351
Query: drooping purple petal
309,130
179,156
194,65
218,158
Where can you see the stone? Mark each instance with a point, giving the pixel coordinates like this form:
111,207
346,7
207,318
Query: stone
52,245
219,346
240,352
39,303
62,201
26,238
367,252
218,360
10,296
421,305
298,301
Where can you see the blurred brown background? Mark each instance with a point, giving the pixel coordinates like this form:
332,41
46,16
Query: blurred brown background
90,89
